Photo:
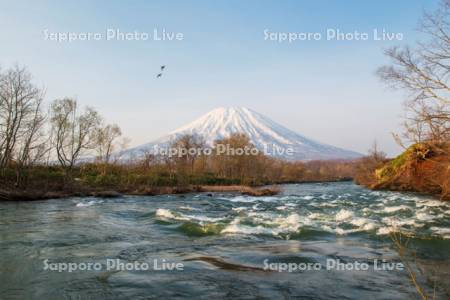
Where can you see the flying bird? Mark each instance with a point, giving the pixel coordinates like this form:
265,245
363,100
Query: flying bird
159,75
162,68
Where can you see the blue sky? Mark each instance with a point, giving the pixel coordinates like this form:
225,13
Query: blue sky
323,89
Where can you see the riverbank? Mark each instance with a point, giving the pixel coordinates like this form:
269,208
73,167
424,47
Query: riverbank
157,178
422,168
33,195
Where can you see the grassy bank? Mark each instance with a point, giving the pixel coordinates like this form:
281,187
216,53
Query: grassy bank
423,168
111,180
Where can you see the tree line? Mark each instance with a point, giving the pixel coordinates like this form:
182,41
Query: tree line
32,134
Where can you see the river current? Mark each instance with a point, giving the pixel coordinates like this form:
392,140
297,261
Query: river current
226,245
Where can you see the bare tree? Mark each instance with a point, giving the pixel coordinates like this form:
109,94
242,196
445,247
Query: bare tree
22,142
423,71
106,141
246,166
188,148
74,132
376,154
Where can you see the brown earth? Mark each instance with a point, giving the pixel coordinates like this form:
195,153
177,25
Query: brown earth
30,195
421,168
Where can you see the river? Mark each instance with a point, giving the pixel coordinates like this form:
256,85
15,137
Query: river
225,245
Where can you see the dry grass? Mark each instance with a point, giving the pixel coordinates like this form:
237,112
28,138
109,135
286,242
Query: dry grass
421,168
30,195
409,260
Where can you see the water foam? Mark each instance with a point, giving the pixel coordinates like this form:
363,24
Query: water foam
249,199
168,214
86,204
382,214
266,226
343,215
391,209
430,203
364,224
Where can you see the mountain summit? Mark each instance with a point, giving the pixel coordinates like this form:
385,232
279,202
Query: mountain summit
267,135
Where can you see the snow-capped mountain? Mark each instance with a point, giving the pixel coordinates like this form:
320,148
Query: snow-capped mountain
267,135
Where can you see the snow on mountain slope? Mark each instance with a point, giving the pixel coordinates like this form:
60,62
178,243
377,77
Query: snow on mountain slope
265,134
